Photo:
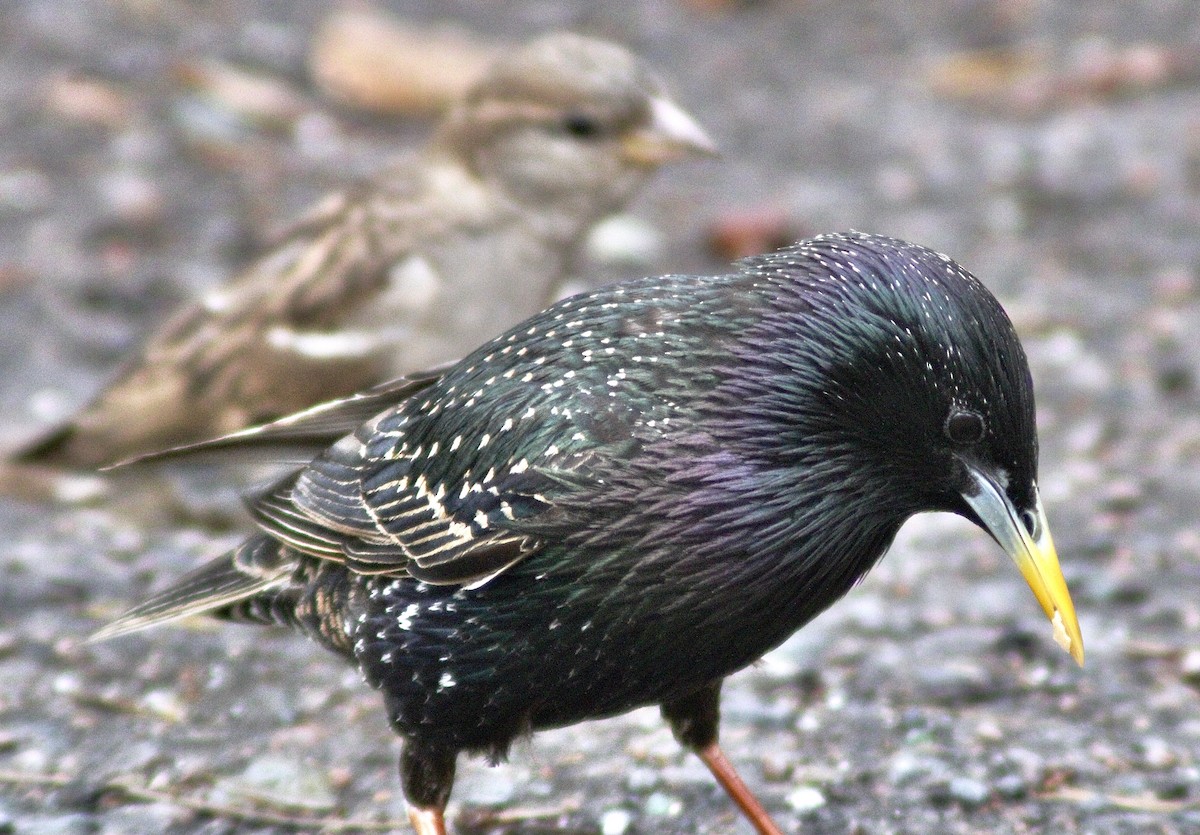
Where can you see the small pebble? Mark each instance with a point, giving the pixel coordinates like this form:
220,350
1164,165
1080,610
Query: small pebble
808,722
1189,667
746,707
1012,787
906,767
71,824
88,100
777,767
1129,784
968,792
79,488
24,190
379,63
133,198
201,121
955,681
738,233
279,781
989,731
67,684
640,779
1156,753
805,799
662,805
1107,588
141,817
1174,284
165,704
31,760
493,787
615,822
1123,495
252,97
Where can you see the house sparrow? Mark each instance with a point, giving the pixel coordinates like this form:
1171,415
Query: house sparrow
445,247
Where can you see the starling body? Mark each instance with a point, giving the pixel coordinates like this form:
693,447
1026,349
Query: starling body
462,240
639,491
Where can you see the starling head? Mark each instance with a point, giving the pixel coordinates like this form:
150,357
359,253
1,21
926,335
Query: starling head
912,377
566,118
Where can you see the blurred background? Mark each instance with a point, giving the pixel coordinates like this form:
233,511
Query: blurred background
148,147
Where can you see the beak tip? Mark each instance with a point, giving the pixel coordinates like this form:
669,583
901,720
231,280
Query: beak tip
1076,651
1071,641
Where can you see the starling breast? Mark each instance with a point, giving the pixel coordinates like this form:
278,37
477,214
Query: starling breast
641,490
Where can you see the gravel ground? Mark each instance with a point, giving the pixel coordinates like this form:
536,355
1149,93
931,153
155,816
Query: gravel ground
1052,148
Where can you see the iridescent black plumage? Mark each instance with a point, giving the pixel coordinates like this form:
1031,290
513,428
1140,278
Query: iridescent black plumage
641,490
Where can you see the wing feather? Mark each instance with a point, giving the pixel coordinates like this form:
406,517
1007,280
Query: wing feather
304,433
254,567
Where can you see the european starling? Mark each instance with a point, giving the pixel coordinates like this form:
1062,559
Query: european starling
413,268
637,492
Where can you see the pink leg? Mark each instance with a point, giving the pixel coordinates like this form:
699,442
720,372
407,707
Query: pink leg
723,770
427,821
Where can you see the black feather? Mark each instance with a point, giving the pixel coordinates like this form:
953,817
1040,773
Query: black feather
638,491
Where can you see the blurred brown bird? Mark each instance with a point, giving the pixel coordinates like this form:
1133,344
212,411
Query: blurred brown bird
444,247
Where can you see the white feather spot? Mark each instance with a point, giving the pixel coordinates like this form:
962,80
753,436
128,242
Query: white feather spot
405,621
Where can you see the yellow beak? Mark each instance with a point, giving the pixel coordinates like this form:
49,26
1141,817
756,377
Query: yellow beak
1033,552
669,134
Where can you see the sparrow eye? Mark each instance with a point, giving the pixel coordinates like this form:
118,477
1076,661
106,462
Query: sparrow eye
964,427
581,126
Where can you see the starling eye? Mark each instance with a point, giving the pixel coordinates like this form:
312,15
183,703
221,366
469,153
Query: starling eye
964,427
581,126
1030,520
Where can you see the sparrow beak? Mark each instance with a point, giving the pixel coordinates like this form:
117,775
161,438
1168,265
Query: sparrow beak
669,134
1033,552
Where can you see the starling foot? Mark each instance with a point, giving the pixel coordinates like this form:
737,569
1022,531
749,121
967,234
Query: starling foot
723,770
427,821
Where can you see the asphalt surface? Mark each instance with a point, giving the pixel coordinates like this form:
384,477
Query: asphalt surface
1052,148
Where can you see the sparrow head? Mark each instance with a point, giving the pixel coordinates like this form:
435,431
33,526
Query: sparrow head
570,123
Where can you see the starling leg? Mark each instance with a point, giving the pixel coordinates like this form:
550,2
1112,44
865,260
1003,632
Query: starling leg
723,770
694,720
427,775
427,821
